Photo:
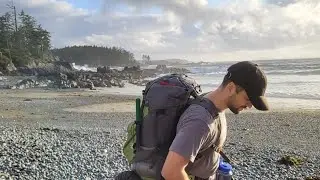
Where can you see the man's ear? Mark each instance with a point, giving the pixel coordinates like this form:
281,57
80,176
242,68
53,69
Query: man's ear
231,88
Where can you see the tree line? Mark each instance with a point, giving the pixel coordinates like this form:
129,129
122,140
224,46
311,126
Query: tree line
23,41
96,55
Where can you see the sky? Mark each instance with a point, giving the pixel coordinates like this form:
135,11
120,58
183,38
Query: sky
195,30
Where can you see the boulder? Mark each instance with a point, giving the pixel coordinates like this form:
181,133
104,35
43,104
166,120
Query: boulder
131,69
11,67
161,67
104,69
25,84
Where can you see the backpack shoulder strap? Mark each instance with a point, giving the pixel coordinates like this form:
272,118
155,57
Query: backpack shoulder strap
207,104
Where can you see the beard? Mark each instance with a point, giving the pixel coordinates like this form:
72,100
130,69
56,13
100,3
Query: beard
231,105
233,109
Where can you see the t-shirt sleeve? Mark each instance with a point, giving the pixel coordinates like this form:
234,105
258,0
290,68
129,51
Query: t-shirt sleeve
192,132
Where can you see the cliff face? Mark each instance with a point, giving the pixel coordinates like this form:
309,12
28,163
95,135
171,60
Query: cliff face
8,68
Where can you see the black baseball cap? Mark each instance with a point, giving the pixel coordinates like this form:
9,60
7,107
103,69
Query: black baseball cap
252,79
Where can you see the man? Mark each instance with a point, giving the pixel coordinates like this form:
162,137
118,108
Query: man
195,149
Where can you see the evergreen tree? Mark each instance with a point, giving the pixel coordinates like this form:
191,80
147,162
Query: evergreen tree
24,42
6,32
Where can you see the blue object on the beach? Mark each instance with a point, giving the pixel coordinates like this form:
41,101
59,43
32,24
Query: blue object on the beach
224,171
225,167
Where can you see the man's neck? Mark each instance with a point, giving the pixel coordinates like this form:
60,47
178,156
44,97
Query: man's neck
217,99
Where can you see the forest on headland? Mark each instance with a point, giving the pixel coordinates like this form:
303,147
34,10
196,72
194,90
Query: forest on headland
24,42
95,55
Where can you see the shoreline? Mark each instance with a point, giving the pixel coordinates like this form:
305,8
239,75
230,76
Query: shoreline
276,104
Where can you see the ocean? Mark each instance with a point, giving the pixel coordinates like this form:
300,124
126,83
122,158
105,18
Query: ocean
291,83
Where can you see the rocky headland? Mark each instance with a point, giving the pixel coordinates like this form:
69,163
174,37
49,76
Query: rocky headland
60,74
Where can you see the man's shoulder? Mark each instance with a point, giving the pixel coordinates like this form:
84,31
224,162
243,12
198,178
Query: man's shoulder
197,110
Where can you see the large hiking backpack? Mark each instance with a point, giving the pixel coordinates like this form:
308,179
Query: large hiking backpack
150,136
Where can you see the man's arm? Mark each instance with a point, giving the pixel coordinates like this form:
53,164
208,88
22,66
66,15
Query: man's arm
191,134
173,168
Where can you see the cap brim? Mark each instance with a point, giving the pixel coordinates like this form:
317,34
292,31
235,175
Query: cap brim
260,103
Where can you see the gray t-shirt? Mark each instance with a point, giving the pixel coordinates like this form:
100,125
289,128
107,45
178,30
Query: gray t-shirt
196,132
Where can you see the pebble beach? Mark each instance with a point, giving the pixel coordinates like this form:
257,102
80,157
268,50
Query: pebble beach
78,134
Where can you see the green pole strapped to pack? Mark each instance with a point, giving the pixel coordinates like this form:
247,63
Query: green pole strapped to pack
128,148
138,122
138,109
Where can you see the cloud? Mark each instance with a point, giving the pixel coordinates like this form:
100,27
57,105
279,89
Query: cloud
245,26
192,29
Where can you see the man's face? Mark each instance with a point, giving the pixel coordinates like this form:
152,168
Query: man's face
239,101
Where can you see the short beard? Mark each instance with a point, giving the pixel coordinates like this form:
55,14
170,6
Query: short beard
233,109
231,106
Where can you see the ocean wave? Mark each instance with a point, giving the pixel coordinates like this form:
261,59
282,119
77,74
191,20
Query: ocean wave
273,92
294,71
293,95
84,67
208,73
281,70
212,85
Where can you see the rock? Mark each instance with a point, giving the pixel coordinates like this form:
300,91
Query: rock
46,69
11,67
313,178
161,67
104,69
108,84
26,83
138,82
291,161
63,64
73,84
99,83
121,84
89,84
24,70
131,69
